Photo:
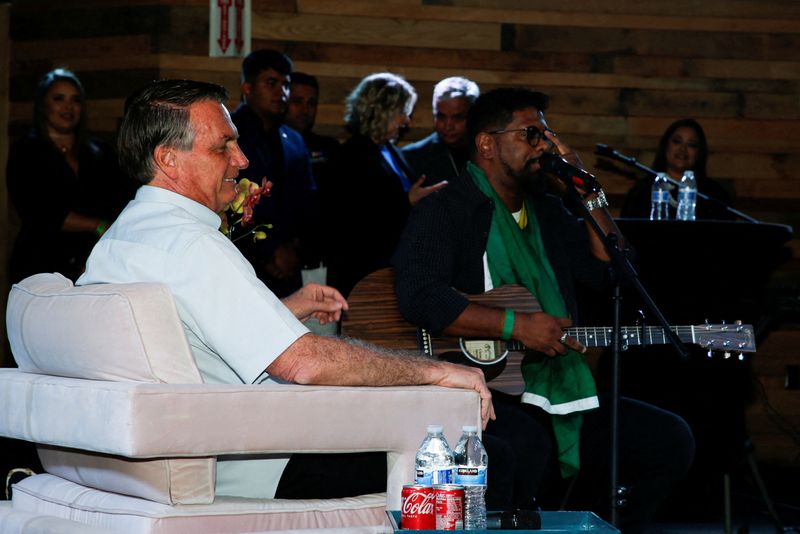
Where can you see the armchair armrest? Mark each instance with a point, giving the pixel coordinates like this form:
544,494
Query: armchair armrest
143,420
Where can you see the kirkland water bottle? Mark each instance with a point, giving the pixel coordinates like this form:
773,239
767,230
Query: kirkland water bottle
471,464
434,461
659,198
687,197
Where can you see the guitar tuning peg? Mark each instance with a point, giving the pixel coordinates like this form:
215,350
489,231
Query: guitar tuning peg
741,356
727,355
710,353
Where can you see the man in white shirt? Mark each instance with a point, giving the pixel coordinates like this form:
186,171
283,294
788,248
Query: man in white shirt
177,138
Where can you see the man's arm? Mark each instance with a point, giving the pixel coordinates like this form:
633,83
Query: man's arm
538,331
600,214
321,360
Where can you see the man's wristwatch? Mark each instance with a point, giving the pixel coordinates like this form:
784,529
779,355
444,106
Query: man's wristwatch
597,202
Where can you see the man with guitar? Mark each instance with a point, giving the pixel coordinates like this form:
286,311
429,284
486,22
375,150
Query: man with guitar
491,227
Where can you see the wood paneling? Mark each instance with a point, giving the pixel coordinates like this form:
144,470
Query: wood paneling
618,72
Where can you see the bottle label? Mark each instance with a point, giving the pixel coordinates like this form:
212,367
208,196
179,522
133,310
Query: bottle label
659,196
435,476
471,476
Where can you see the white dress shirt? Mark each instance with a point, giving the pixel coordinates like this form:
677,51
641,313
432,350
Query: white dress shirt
235,325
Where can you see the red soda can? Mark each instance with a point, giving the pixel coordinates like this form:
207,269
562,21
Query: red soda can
449,506
416,511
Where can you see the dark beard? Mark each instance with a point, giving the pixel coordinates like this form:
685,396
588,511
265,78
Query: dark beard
528,180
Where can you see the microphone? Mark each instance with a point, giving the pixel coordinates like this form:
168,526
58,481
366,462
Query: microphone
604,150
576,176
516,520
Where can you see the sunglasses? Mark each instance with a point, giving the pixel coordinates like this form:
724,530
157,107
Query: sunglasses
532,133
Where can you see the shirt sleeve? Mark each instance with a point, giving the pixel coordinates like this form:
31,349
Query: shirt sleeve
235,314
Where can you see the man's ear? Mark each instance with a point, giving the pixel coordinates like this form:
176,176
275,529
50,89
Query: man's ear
247,89
485,145
165,159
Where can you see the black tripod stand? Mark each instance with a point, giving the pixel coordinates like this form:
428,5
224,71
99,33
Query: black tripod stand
623,272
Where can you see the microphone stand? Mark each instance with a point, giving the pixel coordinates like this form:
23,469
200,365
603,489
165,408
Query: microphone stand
622,272
607,151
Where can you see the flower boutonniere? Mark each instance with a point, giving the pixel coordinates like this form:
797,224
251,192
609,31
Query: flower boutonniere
239,214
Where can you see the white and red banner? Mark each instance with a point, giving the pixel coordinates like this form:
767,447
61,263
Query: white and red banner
229,28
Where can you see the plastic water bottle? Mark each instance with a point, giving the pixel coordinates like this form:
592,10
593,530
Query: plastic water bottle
687,197
435,463
659,198
471,464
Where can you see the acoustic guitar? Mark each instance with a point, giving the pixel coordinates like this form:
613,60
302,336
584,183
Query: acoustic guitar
374,316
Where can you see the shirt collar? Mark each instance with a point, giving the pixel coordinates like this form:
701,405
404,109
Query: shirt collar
149,193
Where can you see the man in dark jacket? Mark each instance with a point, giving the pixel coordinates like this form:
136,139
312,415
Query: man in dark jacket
486,230
278,153
444,153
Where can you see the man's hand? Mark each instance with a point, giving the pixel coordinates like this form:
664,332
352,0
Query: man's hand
544,333
461,376
418,191
314,300
563,150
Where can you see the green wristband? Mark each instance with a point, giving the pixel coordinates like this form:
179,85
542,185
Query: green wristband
508,324
101,228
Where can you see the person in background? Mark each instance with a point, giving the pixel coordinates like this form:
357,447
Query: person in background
367,202
444,153
278,153
683,147
65,186
301,114
177,138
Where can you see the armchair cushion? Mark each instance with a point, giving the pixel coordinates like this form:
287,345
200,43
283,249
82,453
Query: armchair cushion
118,332
50,495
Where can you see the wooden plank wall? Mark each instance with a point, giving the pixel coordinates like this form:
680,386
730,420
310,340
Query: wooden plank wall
618,73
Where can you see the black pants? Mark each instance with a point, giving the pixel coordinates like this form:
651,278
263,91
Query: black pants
656,450
331,476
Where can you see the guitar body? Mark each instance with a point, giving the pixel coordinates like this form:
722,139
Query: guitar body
374,316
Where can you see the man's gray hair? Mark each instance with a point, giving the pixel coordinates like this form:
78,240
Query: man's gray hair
158,114
455,87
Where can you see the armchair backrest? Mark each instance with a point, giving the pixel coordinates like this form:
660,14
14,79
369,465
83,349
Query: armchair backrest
114,332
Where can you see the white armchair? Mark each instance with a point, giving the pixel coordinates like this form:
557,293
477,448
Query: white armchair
128,434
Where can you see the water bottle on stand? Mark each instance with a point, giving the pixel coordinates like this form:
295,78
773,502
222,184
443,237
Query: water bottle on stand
659,198
687,197
435,463
471,464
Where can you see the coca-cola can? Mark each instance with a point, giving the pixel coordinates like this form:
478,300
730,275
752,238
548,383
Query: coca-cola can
449,506
416,512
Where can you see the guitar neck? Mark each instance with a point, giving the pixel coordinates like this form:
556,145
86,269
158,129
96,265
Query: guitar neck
603,336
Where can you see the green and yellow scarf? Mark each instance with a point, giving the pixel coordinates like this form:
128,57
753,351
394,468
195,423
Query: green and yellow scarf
562,386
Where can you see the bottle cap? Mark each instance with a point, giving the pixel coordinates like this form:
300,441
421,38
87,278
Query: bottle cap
435,429
469,428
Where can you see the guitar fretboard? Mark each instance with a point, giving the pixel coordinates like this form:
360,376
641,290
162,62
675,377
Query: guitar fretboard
603,336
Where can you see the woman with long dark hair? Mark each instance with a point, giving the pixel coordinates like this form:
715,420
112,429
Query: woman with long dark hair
682,147
66,187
